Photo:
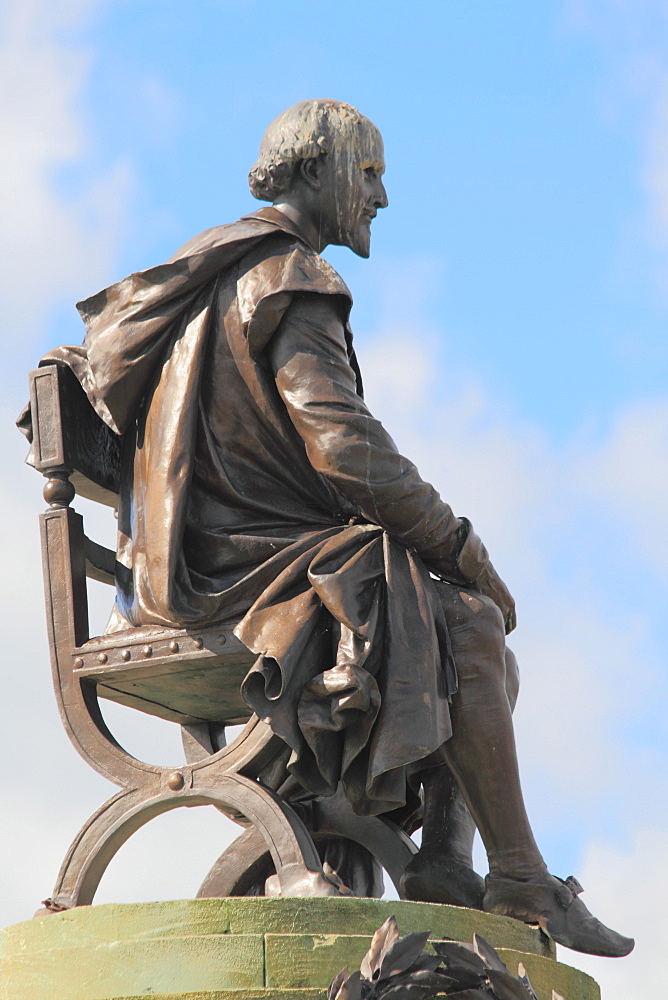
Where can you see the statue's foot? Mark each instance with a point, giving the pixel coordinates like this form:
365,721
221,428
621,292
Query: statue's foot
553,904
437,878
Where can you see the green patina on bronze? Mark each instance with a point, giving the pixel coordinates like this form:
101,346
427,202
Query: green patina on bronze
219,949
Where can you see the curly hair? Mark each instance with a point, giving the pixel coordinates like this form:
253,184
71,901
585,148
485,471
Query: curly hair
305,130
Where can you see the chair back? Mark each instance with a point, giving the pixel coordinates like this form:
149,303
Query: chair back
69,435
185,675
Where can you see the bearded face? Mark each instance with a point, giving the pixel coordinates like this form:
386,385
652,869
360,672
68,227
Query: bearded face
352,189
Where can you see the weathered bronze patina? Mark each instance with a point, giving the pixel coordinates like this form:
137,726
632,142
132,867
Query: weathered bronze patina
255,487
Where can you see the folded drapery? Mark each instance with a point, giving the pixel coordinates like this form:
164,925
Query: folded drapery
256,485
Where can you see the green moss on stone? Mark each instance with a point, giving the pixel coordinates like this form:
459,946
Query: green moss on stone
297,961
119,968
547,975
90,925
236,995
294,961
242,949
363,916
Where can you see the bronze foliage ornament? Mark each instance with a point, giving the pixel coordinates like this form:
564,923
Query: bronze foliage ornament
398,968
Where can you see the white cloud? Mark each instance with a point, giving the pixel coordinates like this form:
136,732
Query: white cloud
524,496
487,466
48,791
589,659
576,652
55,243
629,474
633,35
628,887
588,779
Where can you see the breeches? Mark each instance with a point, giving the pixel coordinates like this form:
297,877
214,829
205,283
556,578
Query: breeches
484,663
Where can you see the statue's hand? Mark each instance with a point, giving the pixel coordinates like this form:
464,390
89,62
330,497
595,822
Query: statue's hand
491,585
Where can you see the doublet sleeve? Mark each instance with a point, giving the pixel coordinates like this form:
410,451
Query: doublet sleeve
344,442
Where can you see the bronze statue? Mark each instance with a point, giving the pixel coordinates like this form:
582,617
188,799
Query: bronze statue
255,485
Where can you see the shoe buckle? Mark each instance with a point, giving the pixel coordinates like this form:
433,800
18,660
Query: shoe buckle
569,890
573,885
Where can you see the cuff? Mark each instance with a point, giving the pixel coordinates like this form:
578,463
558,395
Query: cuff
473,557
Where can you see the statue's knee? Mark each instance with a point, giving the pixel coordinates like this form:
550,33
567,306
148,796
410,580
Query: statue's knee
478,642
477,632
484,617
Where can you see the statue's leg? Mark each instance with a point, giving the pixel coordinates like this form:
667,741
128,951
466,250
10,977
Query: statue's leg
443,871
481,754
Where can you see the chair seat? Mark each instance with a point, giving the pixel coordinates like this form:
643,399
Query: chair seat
183,675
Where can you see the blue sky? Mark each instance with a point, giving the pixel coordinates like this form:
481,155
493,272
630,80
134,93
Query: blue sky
510,322
510,158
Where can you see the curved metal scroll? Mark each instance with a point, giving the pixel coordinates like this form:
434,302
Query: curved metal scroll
237,868
226,779
283,834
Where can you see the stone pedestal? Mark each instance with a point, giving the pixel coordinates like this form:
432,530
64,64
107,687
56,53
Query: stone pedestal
243,949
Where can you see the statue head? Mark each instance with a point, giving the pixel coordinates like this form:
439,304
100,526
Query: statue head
324,160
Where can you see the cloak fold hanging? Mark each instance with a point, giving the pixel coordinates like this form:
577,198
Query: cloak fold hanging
222,515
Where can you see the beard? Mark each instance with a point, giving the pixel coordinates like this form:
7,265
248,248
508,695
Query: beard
357,237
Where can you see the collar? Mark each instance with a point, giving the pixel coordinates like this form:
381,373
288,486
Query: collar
275,217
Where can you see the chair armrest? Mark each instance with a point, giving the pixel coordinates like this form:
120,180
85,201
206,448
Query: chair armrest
100,562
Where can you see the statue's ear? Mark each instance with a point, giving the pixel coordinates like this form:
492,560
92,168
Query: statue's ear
310,172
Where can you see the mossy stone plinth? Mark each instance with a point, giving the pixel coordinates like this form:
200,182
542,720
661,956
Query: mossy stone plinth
298,961
315,994
238,949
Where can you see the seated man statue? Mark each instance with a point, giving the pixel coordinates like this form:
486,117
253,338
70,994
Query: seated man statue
257,486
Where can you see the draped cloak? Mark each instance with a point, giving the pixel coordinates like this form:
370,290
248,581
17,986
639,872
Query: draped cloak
257,487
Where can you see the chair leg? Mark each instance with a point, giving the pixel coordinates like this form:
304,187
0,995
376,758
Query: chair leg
239,868
149,790
295,857
96,843
234,871
244,868
388,843
292,849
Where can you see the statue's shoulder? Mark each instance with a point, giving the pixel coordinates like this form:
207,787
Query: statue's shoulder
271,272
283,262
246,230
270,253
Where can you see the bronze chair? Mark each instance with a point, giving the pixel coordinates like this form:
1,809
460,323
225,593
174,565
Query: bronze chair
191,677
